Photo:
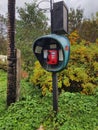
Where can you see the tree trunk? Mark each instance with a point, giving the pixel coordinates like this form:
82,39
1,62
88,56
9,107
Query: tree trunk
11,84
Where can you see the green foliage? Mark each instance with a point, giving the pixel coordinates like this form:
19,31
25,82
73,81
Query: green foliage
41,78
32,23
76,111
3,35
3,25
89,30
75,19
24,115
74,37
80,75
3,46
3,85
79,105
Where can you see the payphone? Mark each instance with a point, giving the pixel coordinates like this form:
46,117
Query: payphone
52,57
52,51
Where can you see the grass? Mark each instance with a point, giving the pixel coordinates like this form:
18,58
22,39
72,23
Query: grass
3,84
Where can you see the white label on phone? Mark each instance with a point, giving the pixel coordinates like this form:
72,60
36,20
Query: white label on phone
60,55
45,54
53,46
38,49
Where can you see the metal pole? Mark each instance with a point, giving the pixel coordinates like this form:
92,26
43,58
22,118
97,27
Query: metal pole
55,92
54,75
11,85
51,13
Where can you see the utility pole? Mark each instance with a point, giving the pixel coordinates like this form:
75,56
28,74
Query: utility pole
11,83
51,14
54,74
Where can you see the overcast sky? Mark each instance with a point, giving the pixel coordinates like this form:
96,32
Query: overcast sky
89,6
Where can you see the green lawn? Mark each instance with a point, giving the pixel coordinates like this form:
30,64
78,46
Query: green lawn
3,84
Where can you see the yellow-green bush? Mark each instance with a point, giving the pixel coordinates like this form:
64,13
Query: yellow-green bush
41,78
81,73
74,37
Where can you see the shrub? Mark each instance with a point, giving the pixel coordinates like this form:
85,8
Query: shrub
74,37
81,73
41,78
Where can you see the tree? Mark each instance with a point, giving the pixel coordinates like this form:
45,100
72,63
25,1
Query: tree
32,23
75,19
3,26
11,88
3,34
89,30
3,46
97,17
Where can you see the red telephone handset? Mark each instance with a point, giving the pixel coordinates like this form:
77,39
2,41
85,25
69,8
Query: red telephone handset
52,57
